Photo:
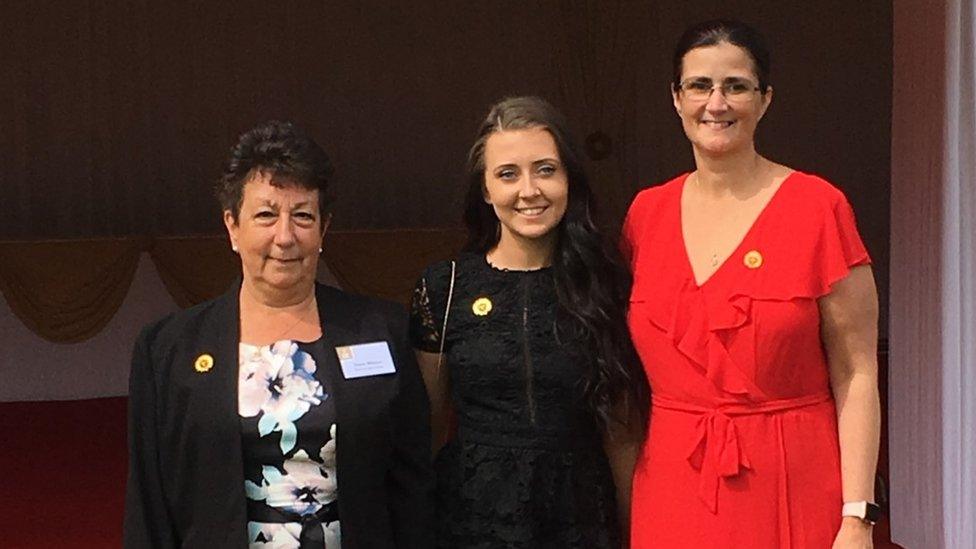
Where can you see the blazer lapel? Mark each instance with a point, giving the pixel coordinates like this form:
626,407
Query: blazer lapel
334,333
362,415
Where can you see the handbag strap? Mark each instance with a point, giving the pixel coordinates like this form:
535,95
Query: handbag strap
447,312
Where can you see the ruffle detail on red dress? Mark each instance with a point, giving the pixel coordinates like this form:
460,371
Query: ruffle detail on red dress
796,265
694,328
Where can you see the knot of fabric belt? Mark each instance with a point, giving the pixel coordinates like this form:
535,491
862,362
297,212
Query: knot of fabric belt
312,535
716,454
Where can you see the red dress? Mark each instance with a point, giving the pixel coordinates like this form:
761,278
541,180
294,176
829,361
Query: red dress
742,449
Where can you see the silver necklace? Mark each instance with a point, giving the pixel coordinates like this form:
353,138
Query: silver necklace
698,186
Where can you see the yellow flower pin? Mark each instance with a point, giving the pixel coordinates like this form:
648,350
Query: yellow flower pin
203,363
753,259
481,306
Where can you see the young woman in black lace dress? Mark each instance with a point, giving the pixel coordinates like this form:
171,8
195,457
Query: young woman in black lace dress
522,341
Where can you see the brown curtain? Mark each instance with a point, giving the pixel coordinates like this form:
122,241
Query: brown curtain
117,114
605,86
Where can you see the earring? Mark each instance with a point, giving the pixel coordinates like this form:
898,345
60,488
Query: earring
234,248
320,249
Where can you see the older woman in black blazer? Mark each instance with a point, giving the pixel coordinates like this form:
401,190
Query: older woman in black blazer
283,413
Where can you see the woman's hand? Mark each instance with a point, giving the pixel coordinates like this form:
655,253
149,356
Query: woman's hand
854,534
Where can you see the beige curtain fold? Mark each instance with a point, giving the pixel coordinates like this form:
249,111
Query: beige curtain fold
67,292
387,264
195,269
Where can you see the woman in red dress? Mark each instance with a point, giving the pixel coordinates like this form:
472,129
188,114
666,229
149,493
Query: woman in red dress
754,312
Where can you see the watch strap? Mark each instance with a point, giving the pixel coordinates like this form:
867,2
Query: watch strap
864,510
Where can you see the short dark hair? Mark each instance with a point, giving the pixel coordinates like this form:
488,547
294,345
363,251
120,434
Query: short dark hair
716,31
284,151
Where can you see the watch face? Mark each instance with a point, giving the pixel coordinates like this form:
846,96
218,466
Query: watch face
872,513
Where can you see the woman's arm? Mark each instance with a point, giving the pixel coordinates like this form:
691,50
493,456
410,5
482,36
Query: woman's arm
849,327
147,520
437,381
622,446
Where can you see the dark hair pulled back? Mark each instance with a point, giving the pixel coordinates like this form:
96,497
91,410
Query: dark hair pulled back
716,31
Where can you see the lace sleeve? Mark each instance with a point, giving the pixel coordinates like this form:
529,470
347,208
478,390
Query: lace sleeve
424,329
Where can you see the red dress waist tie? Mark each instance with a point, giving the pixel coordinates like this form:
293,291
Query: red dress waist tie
717,452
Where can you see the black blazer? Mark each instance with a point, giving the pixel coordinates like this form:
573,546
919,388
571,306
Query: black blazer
186,481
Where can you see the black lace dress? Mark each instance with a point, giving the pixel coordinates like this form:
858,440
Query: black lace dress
527,467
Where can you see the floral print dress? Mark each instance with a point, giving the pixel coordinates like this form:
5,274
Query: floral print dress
289,443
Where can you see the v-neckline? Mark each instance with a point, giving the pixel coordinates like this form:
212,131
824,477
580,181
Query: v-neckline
738,247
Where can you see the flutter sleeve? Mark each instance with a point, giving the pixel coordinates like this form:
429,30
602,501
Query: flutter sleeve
840,244
807,249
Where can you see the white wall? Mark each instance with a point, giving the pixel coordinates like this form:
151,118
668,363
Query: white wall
33,368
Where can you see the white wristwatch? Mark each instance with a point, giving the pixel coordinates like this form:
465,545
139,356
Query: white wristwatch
864,510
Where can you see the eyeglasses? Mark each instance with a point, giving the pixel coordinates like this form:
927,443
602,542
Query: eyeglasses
733,89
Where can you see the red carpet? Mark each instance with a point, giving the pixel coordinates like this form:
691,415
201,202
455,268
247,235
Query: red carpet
63,473
63,470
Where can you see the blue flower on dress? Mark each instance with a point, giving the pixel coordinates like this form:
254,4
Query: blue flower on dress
278,382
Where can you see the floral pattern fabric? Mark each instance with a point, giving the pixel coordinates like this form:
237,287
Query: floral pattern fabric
289,440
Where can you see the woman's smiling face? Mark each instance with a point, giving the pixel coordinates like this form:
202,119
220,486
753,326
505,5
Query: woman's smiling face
278,232
525,183
716,125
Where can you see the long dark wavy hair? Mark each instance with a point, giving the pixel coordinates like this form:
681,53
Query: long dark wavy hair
592,283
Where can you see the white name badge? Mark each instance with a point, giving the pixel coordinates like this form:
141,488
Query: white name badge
365,359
